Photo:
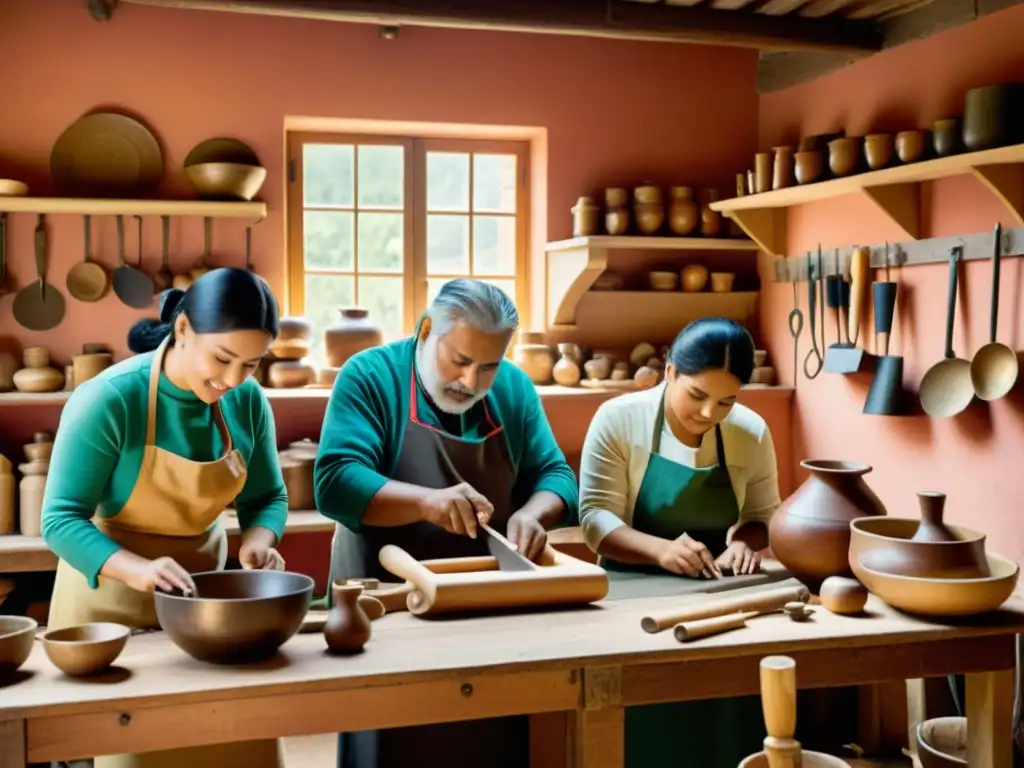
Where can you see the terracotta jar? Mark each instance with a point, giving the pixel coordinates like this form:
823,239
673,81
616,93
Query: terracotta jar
567,370
290,374
710,221
584,217
616,214
649,217
353,332
694,278
293,339
37,375
683,211
535,360
348,627
783,167
810,532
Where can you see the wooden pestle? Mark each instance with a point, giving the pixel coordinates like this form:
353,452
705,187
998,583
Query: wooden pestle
763,601
692,630
778,702
860,263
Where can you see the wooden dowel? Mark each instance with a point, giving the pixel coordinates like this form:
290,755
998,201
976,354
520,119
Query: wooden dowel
762,602
691,630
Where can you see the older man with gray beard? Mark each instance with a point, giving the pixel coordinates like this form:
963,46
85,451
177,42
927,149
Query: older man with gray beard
424,438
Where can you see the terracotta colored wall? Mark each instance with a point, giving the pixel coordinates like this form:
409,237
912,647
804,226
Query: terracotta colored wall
976,457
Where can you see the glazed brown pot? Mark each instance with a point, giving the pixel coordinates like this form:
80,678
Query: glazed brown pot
535,360
348,627
946,136
683,211
993,116
910,146
878,150
808,166
351,333
844,155
810,532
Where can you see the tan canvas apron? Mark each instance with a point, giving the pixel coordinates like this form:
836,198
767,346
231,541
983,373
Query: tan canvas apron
172,511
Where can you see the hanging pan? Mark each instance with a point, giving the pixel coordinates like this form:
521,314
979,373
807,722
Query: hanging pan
87,280
133,287
39,306
946,388
885,397
994,367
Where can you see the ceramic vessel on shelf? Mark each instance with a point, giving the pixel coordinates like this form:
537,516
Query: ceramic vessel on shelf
844,155
890,545
609,281
878,150
353,332
721,282
598,368
710,221
910,146
649,217
8,510
663,281
567,370
946,136
942,742
694,278
38,375
683,211
536,360
8,366
782,175
810,532
348,627
616,216
290,374
584,217
762,172
293,339
647,194
993,116
808,166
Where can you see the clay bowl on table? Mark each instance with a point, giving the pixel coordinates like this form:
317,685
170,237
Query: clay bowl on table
942,597
885,544
85,649
942,742
17,634
236,616
810,760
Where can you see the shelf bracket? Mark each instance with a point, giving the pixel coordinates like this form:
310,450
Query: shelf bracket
901,203
570,276
1006,182
765,226
101,10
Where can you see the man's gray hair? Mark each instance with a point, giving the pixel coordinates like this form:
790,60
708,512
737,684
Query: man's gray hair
480,304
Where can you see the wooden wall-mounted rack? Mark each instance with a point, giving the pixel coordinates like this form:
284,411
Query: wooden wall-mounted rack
976,247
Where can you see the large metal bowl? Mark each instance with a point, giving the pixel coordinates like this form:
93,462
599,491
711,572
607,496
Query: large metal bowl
237,616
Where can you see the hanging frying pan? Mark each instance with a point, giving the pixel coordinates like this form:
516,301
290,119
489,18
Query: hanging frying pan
133,287
39,306
164,278
87,280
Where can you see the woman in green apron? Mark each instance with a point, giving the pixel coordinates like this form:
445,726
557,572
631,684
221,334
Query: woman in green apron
682,479
147,457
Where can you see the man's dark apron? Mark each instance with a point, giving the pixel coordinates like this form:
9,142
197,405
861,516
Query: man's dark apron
434,459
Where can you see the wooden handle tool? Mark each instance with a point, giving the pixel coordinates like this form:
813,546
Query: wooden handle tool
692,630
760,602
778,702
860,263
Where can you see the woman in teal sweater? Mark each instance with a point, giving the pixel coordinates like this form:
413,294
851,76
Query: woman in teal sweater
147,457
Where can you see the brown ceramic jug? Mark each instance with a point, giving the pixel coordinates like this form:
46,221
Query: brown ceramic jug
351,333
810,532
933,505
348,627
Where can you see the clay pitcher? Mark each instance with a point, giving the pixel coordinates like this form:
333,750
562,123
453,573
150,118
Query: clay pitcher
348,627
351,333
810,532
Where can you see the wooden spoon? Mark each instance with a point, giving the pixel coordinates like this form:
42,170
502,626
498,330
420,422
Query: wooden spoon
202,266
163,279
87,280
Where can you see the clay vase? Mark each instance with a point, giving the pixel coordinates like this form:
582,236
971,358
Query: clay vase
710,221
584,217
649,217
567,370
694,278
348,627
683,211
810,532
616,215
535,360
782,175
38,375
933,504
290,374
351,333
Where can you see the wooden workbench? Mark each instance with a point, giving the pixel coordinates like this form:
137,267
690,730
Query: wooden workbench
574,671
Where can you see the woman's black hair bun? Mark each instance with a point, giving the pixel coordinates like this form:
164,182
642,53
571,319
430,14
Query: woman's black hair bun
170,300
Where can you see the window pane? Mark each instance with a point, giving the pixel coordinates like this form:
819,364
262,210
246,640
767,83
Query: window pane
327,174
380,242
382,296
447,181
434,287
381,176
447,245
325,295
494,245
327,237
494,183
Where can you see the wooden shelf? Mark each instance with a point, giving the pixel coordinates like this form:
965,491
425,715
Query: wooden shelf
574,265
104,207
895,191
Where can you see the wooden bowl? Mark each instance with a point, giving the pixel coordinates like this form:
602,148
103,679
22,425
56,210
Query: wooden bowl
885,544
12,188
17,634
663,281
226,181
942,742
810,760
943,597
844,155
878,150
910,146
85,649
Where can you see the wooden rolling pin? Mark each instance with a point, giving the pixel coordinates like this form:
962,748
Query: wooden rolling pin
778,701
860,263
691,630
760,602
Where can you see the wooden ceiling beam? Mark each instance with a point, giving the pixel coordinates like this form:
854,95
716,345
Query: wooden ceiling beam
590,18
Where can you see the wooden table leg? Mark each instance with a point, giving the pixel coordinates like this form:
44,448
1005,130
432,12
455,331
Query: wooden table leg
598,734
550,740
990,719
12,744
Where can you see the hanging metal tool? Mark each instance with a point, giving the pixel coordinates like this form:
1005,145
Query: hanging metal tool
814,360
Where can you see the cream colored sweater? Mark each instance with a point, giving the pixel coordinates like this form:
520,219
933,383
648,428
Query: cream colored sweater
618,447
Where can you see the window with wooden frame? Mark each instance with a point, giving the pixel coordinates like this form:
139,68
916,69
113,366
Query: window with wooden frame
383,222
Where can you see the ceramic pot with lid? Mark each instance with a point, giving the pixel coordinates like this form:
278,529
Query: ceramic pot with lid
353,332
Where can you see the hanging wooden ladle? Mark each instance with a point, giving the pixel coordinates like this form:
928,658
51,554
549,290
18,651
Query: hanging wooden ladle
87,280
163,279
994,367
39,306
132,286
202,266
946,387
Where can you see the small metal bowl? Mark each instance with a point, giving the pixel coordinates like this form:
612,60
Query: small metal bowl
237,616
226,181
87,648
